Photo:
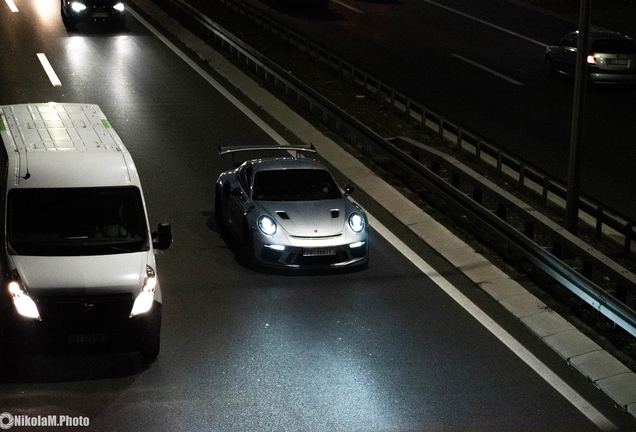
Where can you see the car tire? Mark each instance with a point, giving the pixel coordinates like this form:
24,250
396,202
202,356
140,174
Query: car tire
68,21
247,245
9,363
149,353
549,67
218,209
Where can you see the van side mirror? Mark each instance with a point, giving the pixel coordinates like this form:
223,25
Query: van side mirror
162,238
348,190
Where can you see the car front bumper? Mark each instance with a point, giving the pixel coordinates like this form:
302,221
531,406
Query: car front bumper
70,330
346,251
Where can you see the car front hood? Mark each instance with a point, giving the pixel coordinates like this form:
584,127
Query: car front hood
321,218
82,275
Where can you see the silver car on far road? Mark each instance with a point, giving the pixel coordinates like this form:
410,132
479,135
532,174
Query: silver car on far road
611,57
289,212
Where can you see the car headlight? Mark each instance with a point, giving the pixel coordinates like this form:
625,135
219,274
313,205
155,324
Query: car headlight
356,222
23,303
119,7
78,7
267,225
144,300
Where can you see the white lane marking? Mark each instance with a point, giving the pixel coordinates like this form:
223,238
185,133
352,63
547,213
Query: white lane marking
253,117
12,6
486,23
557,383
537,365
487,69
49,70
347,6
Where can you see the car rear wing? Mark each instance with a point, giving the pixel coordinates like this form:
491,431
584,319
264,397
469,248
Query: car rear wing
244,148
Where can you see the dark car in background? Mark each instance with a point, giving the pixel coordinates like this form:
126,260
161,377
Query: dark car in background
611,57
77,11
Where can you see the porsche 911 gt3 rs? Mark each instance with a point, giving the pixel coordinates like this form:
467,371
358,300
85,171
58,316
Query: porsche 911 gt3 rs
289,212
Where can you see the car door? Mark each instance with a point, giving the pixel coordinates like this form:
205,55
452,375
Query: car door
566,58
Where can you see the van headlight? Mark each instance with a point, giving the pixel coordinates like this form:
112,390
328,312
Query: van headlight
267,225
356,222
119,7
144,300
78,7
23,303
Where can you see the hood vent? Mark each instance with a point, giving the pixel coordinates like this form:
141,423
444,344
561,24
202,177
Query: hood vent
335,213
282,214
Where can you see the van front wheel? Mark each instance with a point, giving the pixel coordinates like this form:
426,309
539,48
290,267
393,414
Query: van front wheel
150,351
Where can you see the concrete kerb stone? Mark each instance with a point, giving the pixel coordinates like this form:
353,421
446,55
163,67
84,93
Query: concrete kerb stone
598,365
546,323
568,342
500,289
622,389
571,343
523,305
428,228
464,257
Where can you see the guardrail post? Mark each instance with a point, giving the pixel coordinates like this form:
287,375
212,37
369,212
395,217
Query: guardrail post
546,189
478,195
628,238
621,294
478,150
501,211
441,128
528,230
455,180
423,117
460,132
599,222
499,162
435,167
587,270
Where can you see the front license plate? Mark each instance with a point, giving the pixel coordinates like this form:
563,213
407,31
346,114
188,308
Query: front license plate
87,338
100,15
319,251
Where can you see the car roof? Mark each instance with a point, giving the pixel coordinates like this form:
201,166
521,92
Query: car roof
603,34
63,145
607,34
281,163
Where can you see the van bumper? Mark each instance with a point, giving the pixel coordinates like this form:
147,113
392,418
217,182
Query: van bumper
81,333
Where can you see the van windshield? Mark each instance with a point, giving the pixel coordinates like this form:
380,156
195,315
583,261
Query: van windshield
76,221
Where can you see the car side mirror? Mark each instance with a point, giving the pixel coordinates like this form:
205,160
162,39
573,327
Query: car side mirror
348,190
162,238
236,192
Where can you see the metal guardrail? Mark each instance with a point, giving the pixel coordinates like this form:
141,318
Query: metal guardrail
445,126
406,153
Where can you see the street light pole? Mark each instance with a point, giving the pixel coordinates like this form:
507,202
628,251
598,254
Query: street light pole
578,114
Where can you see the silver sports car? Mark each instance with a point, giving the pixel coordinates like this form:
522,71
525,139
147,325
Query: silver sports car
289,212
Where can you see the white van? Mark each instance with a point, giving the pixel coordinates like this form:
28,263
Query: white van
77,261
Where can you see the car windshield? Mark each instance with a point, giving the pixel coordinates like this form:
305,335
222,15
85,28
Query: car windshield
614,46
295,185
76,221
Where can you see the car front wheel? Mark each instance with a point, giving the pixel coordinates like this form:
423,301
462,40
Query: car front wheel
247,245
